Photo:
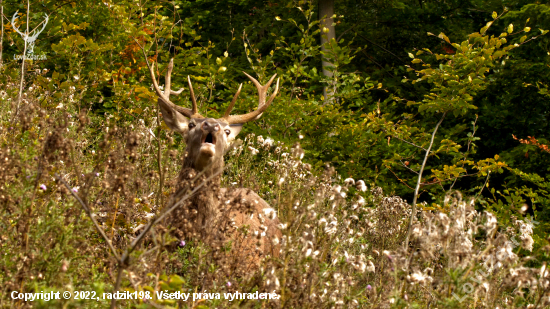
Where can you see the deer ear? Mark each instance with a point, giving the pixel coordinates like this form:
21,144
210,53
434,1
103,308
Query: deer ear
235,129
230,142
173,119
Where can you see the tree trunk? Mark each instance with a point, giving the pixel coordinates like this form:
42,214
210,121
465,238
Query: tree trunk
2,35
326,10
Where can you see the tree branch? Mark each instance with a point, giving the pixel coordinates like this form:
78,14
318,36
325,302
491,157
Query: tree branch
410,143
410,169
89,213
419,181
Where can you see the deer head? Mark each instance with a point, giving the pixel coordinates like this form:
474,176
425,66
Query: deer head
207,139
30,39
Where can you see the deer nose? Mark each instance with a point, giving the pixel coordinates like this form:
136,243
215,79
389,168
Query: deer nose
210,126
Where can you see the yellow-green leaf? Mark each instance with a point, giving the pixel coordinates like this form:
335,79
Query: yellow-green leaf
523,38
444,37
510,28
495,15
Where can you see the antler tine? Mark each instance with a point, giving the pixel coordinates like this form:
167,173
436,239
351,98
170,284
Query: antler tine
45,22
176,92
272,97
252,115
232,104
168,78
195,109
154,79
165,97
262,90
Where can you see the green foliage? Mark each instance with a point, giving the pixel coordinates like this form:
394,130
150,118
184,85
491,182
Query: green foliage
391,82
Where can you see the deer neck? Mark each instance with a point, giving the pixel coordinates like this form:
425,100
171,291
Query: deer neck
207,199
207,165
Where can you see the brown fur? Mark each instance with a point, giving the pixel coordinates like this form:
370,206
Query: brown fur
223,216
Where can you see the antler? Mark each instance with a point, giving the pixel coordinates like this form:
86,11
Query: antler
262,105
165,95
13,24
35,35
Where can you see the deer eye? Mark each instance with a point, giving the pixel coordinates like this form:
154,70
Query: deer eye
192,125
228,132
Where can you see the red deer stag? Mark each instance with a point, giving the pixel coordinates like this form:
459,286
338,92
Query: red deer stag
215,214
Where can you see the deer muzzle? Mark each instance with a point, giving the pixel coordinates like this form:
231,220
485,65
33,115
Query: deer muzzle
210,130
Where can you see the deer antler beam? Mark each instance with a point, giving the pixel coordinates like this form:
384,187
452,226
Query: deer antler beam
165,96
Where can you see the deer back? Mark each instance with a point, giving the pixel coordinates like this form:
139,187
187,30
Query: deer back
247,210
